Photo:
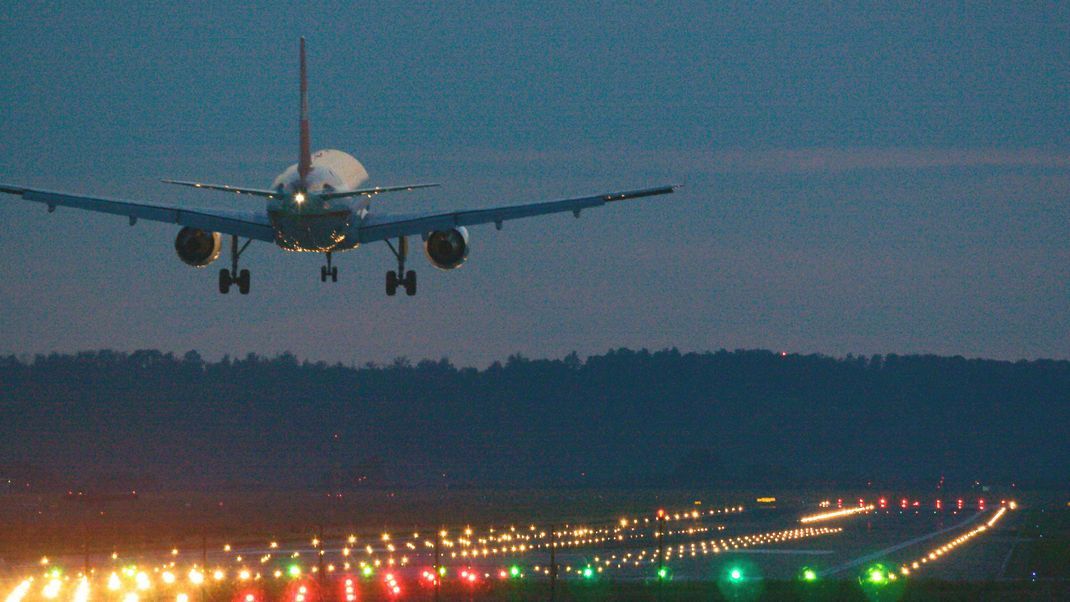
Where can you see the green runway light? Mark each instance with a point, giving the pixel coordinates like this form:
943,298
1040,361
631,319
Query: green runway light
876,576
367,571
294,571
663,573
514,571
588,572
441,571
736,575
809,575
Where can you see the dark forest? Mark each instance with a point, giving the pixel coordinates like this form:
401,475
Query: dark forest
104,420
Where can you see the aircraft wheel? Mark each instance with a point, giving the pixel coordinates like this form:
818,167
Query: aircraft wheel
243,282
410,283
224,281
391,283
323,273
334,274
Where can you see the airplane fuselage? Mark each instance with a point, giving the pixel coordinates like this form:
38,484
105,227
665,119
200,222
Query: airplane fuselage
305,221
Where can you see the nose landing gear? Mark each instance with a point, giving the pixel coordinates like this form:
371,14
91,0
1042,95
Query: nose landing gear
328,270
400,277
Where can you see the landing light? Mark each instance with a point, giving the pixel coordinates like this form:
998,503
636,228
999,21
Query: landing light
299,198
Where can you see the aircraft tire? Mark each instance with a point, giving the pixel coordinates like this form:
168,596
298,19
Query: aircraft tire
243,282
224,281
410,283
391,283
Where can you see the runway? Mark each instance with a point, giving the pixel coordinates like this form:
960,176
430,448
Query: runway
729,544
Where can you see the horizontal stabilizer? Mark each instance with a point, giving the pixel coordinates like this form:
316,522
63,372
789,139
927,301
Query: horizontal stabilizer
225,188
372,191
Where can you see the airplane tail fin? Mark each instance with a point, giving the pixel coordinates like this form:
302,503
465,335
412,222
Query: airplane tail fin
304,162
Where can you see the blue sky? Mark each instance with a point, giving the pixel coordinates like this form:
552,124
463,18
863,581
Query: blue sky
857,179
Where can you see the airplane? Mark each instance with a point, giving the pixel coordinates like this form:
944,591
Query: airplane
318,205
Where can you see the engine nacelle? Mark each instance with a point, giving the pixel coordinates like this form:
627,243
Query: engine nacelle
447,249
198,248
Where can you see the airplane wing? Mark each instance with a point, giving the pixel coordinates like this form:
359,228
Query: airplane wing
225,188
383,227
247,224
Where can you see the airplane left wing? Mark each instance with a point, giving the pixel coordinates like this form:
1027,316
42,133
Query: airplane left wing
383,227
247,224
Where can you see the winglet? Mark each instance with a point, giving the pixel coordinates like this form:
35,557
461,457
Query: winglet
304,162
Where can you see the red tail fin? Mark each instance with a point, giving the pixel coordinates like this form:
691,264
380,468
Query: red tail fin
304,162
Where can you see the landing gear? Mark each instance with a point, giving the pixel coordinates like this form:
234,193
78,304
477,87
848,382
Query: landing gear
408,282
233,276
328,270
400,277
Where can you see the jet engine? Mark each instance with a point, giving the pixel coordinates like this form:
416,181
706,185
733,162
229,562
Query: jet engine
447,249
198,248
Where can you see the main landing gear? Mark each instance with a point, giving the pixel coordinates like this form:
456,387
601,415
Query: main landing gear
233,276
328,271
395,279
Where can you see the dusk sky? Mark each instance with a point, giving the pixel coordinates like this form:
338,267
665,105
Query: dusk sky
856,179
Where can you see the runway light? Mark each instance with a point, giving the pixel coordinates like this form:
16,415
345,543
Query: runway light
588,572
51,590
877,575
81,593
663,573
113,582
735,575
182,598
809,575
294,571
195,577
514,571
